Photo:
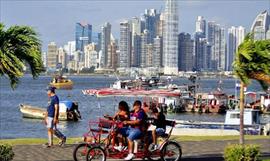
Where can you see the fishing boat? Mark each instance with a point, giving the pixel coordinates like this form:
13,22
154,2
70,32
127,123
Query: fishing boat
61,82
68,111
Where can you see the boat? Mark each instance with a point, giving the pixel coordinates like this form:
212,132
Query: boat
252,125
61,82
68,111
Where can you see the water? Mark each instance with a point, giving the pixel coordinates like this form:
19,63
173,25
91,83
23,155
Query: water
32,92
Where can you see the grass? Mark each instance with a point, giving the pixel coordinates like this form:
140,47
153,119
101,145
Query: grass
29,141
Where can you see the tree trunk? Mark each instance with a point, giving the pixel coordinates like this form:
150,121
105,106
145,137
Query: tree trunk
260,76
242,99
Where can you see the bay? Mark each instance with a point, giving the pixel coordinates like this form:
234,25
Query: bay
33,92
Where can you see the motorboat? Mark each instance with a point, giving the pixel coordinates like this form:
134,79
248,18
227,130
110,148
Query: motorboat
68,111
61,82
231,125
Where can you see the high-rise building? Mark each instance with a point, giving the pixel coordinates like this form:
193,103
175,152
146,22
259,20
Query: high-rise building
151,22
96,38
201,25
186,52
83,35
260,26
112,48
170,38
149,55
202,55
125,45
136,31
145,40
52,55
216,38
236,36
157,52
199,51
105,41
70,47
136,51
160,25
91,56
62,58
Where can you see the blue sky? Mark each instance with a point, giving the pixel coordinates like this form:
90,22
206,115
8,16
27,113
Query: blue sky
55,19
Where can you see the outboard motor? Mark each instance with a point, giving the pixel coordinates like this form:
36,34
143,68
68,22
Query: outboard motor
76,110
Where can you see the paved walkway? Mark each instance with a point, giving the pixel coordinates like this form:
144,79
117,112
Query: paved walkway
192,151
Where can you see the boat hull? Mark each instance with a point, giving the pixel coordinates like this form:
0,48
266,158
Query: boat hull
66,85
38,113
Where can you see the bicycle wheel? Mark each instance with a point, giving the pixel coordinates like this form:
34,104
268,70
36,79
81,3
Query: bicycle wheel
154,155
80,151
171,151
96,154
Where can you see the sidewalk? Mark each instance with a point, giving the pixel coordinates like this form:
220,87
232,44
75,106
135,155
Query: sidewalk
192,151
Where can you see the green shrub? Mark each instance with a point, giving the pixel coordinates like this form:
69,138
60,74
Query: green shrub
6,153
238,152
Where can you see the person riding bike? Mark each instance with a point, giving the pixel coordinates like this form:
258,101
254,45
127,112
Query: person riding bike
136,128
121,115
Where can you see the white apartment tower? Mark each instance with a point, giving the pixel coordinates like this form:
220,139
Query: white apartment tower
236,36
170,38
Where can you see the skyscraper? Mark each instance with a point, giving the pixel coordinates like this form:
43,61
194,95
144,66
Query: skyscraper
105,41
83,35
91,56
62,57
145,40
170,38
236,36
112,48
186,51
199,51
149,55
157,52
136,32
260,26
160,25
201,25
125,45
52,55
216,38
151,21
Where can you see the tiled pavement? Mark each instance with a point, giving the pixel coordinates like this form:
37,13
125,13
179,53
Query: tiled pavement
192,151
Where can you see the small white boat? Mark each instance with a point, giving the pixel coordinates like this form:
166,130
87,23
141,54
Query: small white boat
252,125
68,111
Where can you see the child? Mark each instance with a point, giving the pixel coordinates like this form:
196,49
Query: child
159,122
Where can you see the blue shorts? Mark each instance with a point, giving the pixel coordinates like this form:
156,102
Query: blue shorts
131,133
160,131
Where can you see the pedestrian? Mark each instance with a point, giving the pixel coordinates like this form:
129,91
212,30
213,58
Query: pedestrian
51,118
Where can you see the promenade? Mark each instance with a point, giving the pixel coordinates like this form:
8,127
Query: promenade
192,151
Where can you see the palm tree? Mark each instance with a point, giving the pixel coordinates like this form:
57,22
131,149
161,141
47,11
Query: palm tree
19,47
252,62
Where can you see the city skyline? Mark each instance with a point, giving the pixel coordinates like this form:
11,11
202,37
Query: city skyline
64,27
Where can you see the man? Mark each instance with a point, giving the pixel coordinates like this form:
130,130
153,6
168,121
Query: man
51,118
136,129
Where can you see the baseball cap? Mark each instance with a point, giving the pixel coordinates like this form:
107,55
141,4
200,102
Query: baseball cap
51,88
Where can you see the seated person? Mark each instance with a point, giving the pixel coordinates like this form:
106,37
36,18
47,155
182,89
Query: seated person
159,122
121,115
136,127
